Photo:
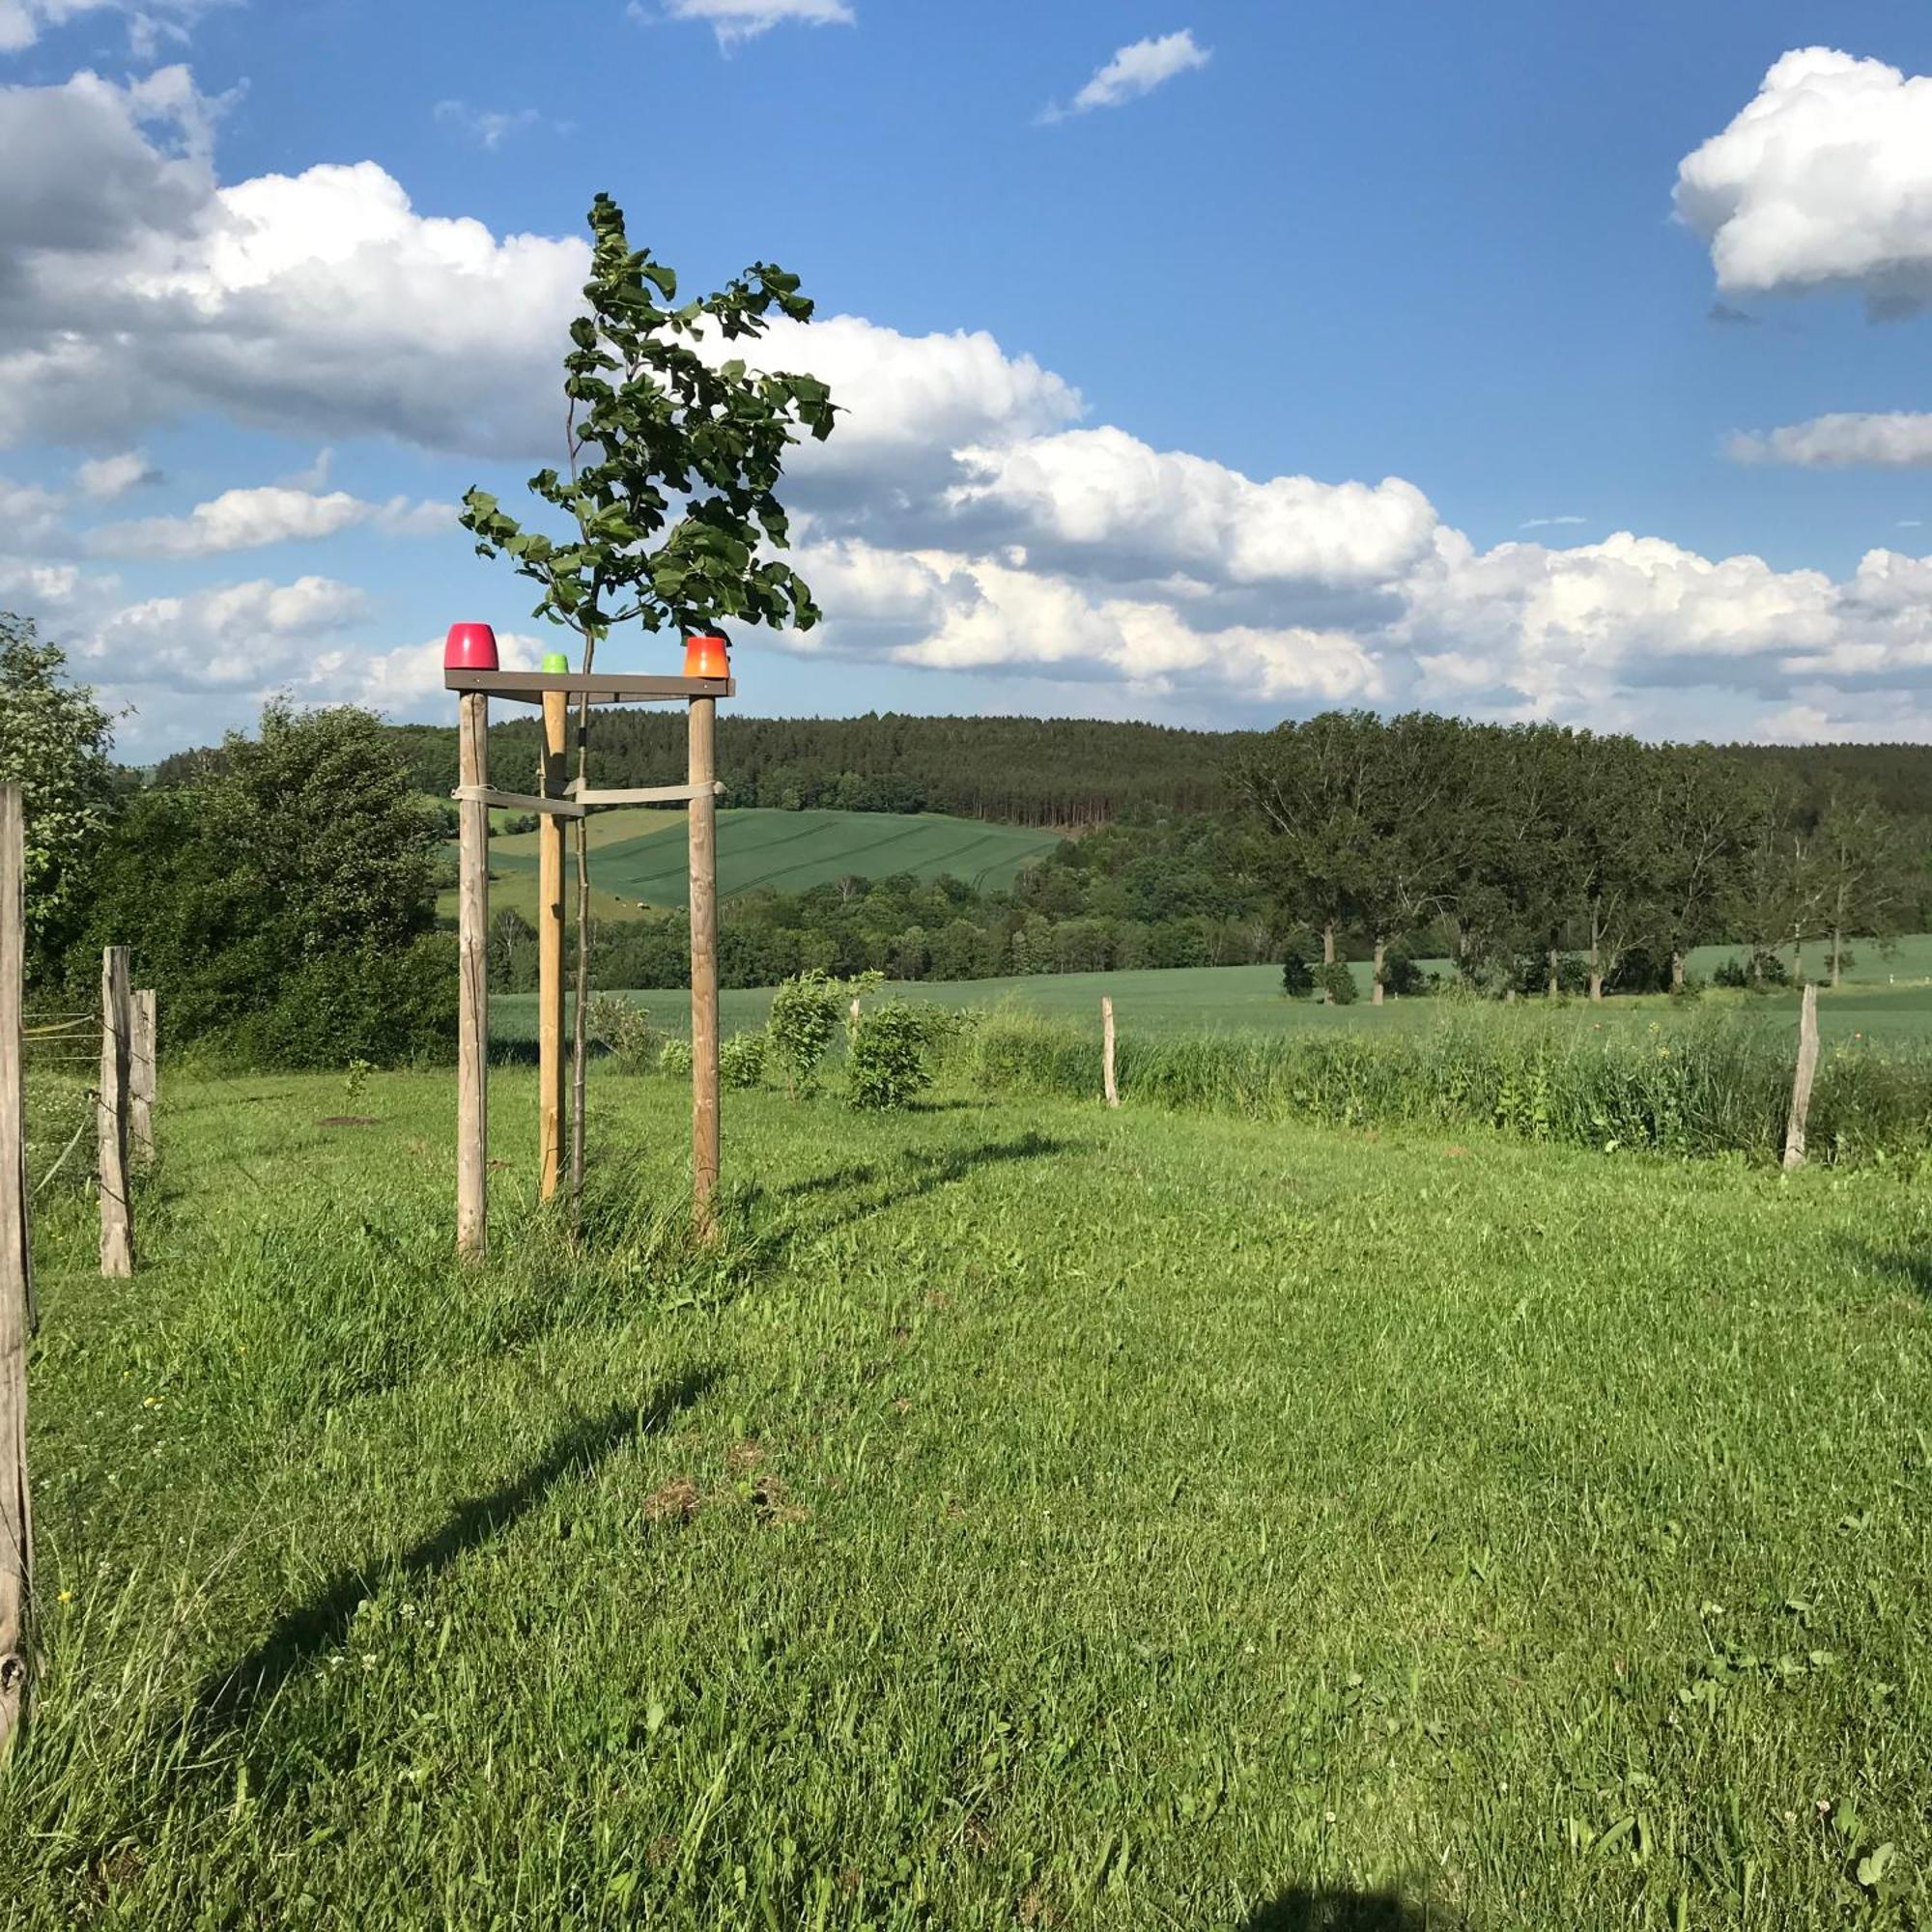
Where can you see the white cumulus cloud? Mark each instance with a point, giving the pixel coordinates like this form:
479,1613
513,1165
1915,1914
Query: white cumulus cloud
106,478
1895,439
1823,180
1134,71
253,519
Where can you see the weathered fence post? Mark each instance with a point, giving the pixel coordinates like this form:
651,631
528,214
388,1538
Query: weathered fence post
117,1040
141,1079
1113,1093
1800,1084
16,1515
472,965
703,760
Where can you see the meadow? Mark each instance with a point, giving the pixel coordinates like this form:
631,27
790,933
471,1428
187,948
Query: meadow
641,858
1033,1516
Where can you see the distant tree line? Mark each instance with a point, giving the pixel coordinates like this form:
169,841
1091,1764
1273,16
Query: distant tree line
1511,847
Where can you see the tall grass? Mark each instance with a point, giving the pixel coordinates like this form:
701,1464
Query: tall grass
1711,1083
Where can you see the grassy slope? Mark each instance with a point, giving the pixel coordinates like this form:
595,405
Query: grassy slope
1248,999
641,853
1116,1520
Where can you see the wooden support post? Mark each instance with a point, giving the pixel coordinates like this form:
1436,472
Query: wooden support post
141,1080
16,1515
473,1013
1800,1084
704,833
117,1052
1107,1050
550,951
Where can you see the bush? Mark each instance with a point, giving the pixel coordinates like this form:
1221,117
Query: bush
741,1060
1760,973
1403,978
675,1059
1298,976
803,1022
621,1028
890,1060
385,1009
1337,983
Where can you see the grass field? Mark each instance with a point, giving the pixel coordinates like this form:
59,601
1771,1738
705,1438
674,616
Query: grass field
641,857
1036,1516
1884,996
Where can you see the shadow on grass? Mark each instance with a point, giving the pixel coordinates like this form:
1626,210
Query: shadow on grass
227,1699
1906,1267
1330,1910
917,1172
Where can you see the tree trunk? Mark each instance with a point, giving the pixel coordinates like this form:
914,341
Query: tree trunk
1381,949
1551,961
1676,971
1327,955
1837,963
1596,961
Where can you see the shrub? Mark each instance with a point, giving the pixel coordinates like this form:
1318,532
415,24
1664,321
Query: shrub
1337,983
741,1060
1762,972
1403,978
890,1060
1298,976
674,1059
621,1028
803,1022
385,1009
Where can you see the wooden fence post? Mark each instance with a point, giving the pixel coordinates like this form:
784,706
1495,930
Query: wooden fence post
117,1040
472,1010
1107,1050
1800,1084
550,948
16,1515
702,761
141,1079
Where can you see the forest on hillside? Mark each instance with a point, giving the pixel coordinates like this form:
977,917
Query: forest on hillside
1024,771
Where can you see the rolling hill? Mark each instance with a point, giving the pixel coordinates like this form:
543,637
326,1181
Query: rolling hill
640,853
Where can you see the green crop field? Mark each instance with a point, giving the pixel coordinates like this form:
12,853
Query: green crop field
1886,996
1034,1517
641,853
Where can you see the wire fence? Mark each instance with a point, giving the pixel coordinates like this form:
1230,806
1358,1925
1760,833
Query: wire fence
60,1061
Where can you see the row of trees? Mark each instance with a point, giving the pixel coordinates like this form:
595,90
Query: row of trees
1535,840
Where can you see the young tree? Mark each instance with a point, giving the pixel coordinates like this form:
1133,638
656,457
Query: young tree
674,455
54,742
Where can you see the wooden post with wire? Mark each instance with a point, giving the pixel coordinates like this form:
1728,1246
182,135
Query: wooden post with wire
1802,1078
1112,1091
471,669
117,1052
17,1267
549,940
141,1079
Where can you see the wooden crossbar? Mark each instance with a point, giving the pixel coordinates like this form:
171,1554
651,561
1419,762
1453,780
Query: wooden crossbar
616,688
517,801
644,794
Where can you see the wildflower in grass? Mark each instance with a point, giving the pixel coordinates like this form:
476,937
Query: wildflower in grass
66,1595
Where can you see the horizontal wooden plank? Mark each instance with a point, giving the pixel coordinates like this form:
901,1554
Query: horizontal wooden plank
517,801
529,687
645,794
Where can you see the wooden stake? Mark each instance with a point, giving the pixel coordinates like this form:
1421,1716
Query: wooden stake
141,1079
703,833
16,1515
1800,1084
117,1044
472,1011
550,952
1107,1050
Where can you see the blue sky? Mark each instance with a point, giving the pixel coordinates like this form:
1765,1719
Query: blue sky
1338,244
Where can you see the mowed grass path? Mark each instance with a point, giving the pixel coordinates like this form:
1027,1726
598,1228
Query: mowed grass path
641,854
1037,1516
